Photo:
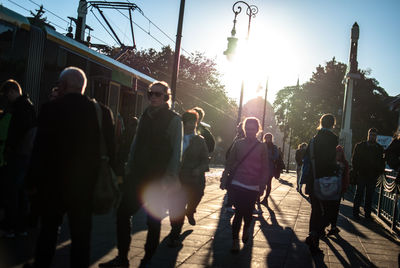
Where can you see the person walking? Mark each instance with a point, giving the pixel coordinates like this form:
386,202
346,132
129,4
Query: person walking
332,206
204,131
368,164
239,135
247,169
324,144
152,176
194,164
64,167
392,153
21,128
273,158
300,152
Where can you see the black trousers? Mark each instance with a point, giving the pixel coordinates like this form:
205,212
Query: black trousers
155,207
318,219
194,194
244,201
80,225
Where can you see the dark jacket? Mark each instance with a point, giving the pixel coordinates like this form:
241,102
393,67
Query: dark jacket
154,146
368,160
392,154
23,118
65,159
325,143
194,157
208,137
299,156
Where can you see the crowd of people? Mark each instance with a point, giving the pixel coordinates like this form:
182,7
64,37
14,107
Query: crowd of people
49,168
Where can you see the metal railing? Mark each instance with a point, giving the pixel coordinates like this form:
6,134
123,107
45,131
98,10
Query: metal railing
386,205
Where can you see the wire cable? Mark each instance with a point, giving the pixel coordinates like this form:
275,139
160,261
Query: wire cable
116,41
19,6
158,28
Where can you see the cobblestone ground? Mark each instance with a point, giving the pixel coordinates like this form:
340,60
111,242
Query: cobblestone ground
278,237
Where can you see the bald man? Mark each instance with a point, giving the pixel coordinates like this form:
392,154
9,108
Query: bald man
64,166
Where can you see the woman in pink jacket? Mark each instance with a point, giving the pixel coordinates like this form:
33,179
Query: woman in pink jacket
247,172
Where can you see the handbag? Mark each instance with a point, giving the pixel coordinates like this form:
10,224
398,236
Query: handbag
227,179
106,194
325,188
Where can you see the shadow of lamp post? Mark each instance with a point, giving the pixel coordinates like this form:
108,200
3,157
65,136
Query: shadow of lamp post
251,12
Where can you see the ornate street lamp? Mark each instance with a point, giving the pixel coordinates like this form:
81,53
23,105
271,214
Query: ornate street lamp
251,12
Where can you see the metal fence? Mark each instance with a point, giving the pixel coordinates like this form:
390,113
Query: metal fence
386,200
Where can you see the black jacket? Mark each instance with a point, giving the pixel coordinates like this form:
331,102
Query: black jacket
65,159
23,118
208,137
325,143
392,154
368,159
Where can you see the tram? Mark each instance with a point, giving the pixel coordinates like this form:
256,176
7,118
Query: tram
35,56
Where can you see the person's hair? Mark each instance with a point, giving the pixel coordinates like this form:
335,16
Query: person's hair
190,115
373,130
268,134
166,90
200,111
301,145
251,120
10,85
327,121
74,78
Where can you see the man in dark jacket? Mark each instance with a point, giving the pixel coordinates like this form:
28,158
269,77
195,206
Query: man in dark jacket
18,147
152,177
368,164
65,164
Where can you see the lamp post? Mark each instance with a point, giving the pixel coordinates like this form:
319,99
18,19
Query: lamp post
251,11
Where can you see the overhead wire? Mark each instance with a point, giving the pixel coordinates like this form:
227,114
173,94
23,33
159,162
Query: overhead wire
158,28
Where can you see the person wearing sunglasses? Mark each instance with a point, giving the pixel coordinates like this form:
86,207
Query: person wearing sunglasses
151,178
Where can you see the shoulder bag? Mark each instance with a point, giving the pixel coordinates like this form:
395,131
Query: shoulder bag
106,193
325,188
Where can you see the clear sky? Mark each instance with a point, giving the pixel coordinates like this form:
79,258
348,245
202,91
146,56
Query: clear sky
288,39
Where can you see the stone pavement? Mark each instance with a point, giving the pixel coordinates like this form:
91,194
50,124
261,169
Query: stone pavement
278,237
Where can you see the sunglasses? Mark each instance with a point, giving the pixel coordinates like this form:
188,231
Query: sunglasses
157,94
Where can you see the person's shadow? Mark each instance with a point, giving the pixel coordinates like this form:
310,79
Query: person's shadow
285,248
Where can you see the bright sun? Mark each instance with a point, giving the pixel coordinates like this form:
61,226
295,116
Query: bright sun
266,56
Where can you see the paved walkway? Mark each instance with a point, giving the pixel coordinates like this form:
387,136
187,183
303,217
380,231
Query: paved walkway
278,236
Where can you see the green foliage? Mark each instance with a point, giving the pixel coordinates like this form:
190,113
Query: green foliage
300,107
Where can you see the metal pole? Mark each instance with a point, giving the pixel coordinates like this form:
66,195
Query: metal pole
290,145
239,119
265,107
177,53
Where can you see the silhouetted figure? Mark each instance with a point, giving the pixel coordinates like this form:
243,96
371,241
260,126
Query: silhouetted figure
325,143
204,131
65,164
20,132
246,164
368,165
392,153
194,164
300,152
239,135
152,177
273,168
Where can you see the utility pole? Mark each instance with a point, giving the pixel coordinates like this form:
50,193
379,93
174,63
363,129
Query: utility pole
351,75
265,108
81,21
177,57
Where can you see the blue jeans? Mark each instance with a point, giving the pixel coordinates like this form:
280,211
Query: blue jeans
366,185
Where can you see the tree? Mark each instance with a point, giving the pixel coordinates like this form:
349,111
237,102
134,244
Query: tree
300,107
